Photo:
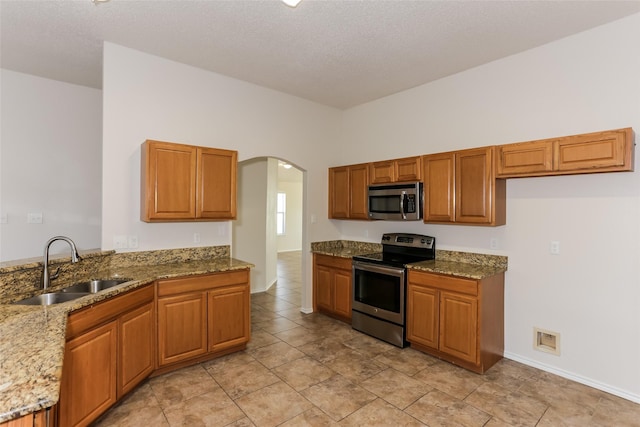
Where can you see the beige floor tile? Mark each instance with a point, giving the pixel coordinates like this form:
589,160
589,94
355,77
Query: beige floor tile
616,411
273,405
324,350
240,380
274,355
178,386
396,388
124,416
263,315
512,407
380,414
209,409
303,373
279,305
453,380
244,422
313,417
230,361
276,325
260,338
368,346
354,366
555,390
439,409
338,397
406,360
297,336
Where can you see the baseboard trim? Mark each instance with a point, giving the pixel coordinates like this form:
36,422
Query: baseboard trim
574,377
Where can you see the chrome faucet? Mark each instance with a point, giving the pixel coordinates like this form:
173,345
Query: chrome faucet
46,276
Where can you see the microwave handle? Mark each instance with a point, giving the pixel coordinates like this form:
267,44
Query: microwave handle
403,195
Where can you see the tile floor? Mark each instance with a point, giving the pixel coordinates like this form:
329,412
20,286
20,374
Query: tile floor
310,370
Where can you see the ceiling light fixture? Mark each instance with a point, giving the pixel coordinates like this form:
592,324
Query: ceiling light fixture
99,1
291,3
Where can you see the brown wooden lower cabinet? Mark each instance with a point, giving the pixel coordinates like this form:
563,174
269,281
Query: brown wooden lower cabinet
136,344
332,286
89,376
202,316
456,319
38,419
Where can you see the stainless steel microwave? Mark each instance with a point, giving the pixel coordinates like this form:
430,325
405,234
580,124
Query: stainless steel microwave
401,201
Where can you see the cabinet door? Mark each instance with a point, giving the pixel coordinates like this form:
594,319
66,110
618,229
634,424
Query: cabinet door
439,188
37,419
323,291
89,376
408,169
216,183
229,317
342,292
474,186
182,327
422,315
169,173
382,172
339,192
136,343
525,159
358,191
459,326
600,152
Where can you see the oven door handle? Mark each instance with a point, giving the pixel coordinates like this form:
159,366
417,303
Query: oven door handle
374,268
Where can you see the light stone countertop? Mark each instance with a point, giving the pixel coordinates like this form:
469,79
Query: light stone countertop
32,338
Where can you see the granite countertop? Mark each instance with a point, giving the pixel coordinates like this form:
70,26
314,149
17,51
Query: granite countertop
33,337
452,263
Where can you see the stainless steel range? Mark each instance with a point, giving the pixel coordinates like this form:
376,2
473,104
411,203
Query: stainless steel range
380,283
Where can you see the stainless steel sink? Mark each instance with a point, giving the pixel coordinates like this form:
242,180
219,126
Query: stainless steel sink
93,286
51,298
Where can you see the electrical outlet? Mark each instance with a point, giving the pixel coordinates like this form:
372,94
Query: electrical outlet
34,218
555,247
133,241
120,242
493,243
196,237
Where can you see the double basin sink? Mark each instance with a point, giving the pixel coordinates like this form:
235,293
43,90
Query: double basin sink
72,292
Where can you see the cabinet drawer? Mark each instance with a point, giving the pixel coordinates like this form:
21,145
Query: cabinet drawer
90,317
202,282
446,283
333,261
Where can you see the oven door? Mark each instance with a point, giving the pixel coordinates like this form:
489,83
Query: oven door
379,291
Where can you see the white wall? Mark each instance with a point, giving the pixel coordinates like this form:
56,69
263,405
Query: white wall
253,236
147,97
51,164
292,238
589,293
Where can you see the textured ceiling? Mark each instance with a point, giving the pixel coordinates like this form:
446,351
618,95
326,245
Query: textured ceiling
339,53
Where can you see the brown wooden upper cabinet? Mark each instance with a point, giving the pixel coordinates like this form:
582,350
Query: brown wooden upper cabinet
398,170
608,151
348,191
187,183
461,187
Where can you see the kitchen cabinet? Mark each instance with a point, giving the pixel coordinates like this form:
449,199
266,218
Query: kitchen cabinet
348,187
202,316
91,355
457,319
37,419
608,151
461,187
112,343
187,183
332,286
398,170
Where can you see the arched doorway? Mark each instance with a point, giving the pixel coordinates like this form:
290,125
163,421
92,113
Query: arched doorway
263,229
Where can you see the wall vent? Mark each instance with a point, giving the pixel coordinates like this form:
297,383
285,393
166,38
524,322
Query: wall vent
546,341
